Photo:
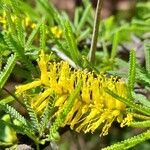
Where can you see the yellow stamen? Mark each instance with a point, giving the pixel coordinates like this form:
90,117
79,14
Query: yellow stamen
22,88
43,68
92,108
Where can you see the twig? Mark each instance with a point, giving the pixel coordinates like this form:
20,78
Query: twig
95,31
15,97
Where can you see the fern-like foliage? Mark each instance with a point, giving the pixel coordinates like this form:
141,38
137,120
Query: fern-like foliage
129,143
115,45
15,38
49,10
34,122
47,114
5,73
147,56
32,35
15,114
142,99
24,127
71,42
18,128
141,124
11,43
132,72
2,47
43,36
83,19
142,76
16,47
20,32
9,20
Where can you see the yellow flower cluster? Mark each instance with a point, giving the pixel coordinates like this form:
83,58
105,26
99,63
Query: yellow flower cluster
92,107
3,20
57,32
26,21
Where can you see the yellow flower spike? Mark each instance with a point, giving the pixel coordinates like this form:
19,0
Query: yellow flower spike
43,68
57,32
22,88
92,108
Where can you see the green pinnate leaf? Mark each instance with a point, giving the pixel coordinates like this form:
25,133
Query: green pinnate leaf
129,143
132,72
5,73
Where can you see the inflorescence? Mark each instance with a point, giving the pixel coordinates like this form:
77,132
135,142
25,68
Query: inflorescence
92,108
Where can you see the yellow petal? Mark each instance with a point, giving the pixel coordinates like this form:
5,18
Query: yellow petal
20,89
37,101
43,68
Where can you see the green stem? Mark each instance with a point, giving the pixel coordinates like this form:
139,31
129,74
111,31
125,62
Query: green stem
15,97
95,31
37,146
